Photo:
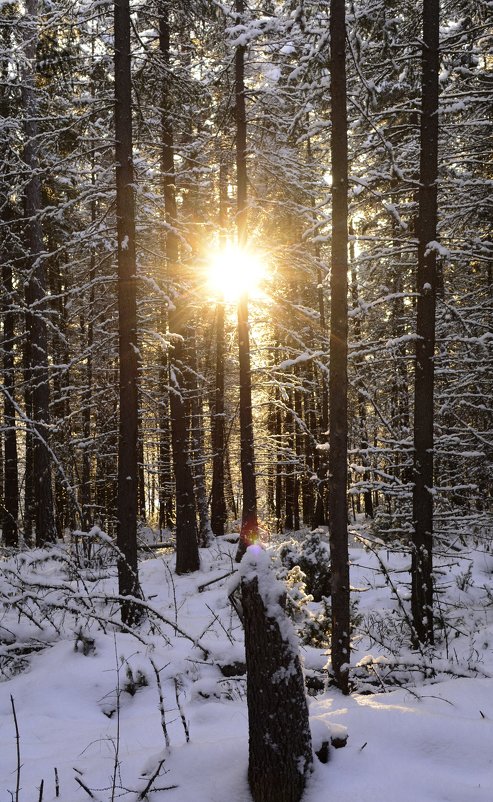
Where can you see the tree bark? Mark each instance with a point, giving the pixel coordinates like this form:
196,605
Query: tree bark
249,522
197,445
10,477
187,551
218,501
340,648
127,317
422,560
280,752
37,332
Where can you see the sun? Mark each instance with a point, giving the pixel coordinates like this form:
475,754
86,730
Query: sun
233,272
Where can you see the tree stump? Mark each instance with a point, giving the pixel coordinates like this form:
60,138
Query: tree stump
280,749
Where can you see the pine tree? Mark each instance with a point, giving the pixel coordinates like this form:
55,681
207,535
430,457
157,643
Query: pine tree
422,587
127,318
338,353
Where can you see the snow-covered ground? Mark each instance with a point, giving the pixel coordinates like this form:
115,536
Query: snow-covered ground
93,718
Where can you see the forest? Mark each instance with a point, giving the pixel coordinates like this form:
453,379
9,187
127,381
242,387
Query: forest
246,429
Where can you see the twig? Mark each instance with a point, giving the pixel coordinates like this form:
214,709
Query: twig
18,747
173,588
213,581
142,795
182,714
216,618
84,787
117,745
161,703
366,542
57,784
41,789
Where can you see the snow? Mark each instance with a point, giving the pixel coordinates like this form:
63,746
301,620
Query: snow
87,698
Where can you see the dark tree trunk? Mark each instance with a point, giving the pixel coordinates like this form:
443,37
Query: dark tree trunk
166,518
219,513
340,649
37,333
231,503
271,475
127,317
141,494
10,477
218,501
279,469
298,444
197,446
422,561
362,425
309,443
292,483
28,516
85,490
320,512
187,550
280,751
249,523
10,480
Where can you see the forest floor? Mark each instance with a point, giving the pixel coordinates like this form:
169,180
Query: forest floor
94,708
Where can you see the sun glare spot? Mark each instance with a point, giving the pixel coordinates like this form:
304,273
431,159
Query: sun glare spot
234,271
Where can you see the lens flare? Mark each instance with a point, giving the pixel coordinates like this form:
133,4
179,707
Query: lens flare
233,272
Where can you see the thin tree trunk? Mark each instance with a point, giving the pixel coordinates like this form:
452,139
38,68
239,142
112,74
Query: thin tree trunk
249,523
187,551
362,424
127,317
10,477
279,468
320,513
166,518
85,491
35,296
28,516
197,447
338,353
422,560
290,483
309,485
218,501
141,493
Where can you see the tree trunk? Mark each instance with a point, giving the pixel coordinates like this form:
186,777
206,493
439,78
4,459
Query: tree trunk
320,513
249,523
422,586
359,365
85,489
279,486
37,333
338,353
197,446
187,550
280,752
218,501
166,519
10,477
127,317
